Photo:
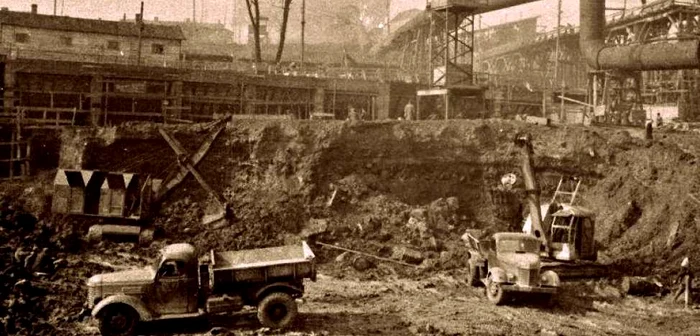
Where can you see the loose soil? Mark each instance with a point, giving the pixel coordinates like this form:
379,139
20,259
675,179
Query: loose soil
399,184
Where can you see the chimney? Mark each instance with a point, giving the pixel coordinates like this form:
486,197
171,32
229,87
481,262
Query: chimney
35,8
124,18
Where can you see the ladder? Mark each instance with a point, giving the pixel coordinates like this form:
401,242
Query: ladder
562,194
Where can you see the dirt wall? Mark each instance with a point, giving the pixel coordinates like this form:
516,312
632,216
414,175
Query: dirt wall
279,175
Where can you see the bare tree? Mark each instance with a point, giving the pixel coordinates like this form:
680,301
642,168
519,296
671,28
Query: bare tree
253,7
283,30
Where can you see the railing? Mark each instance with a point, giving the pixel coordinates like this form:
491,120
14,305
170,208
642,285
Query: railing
381,74
654,7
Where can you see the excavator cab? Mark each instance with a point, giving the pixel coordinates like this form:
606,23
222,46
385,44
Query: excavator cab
572,232
571,227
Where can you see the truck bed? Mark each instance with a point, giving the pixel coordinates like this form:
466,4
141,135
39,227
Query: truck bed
292,261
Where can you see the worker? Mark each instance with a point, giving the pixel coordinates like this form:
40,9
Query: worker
659,120
684,278
352,114
649,130
409,110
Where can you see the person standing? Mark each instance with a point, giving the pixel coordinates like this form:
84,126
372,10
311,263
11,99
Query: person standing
649,130
659,120
684,281
409,110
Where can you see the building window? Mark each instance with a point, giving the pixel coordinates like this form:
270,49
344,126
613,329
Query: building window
157,48
21,37
67,41
113,45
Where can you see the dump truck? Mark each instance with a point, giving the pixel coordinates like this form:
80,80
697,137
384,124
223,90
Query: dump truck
180,286
507,263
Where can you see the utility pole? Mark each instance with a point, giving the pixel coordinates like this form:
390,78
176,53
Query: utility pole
388,17
558,47
556,61
140,26
303,31
234,21
194,11
55,3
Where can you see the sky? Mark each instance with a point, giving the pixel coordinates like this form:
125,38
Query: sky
222,11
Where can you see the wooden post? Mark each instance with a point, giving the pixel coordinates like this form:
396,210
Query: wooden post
447,105
12,154
687,290
544,102
562,116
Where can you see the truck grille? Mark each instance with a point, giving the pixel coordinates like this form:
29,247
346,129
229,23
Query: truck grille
528,277
92,295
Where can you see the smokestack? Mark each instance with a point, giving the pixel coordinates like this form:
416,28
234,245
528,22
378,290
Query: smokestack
657,56
35,8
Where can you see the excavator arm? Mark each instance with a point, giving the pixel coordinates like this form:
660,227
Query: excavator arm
532,189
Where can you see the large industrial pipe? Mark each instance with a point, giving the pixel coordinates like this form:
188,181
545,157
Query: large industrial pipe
675,55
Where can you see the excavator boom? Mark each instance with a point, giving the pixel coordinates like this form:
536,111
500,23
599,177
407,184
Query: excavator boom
532,190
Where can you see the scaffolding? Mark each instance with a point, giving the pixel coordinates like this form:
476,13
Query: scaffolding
451,61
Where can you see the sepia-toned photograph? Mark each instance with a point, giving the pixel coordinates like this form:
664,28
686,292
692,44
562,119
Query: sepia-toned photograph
349,167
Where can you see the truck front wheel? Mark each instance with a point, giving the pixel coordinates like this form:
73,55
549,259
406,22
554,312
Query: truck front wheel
277,311
118,320
495,292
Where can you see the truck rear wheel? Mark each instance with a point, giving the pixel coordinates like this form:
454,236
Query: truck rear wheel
495,292
118,320
277,311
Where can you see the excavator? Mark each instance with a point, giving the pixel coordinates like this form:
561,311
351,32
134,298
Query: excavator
566,231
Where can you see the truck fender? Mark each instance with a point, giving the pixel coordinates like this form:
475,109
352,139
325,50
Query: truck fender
135,303
497,274
550,278
283,287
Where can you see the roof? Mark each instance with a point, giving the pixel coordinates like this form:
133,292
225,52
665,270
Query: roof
573,210
181,251
64,23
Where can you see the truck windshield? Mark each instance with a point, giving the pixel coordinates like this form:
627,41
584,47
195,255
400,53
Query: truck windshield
519,245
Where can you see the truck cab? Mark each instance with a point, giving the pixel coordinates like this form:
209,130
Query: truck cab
508,262
180,285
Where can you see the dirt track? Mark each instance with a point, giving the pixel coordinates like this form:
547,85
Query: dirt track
443,305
